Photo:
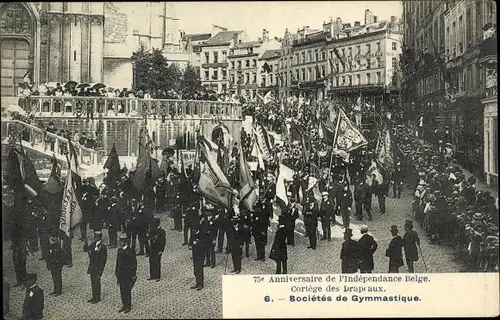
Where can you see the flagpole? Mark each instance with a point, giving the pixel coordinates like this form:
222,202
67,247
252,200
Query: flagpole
333,145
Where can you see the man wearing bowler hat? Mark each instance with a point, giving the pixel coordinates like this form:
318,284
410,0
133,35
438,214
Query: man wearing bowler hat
157,238
395,251
125,272
55,263
368,246
350,253
98,256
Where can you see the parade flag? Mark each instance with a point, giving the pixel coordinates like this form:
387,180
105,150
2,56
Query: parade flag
257,154
267,67
373,170
337,54
326,132
71,213
213,184
147,169
23,176
248,194
75,165
268,97
281,197
332,67
263,141
113,163
295,131
347,136
385,153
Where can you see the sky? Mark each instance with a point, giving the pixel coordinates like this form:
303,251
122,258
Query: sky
198,17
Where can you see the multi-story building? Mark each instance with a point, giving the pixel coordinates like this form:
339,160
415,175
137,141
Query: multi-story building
268,63
78,41
285,63
464,22
366,61
488,59
214,59
443,81
192,44
245,69
306,63
423,89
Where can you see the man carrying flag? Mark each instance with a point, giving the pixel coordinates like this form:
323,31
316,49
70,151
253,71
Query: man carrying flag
71,213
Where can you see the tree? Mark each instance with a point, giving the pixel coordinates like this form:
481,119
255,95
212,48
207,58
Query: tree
150,70
173,77
190,83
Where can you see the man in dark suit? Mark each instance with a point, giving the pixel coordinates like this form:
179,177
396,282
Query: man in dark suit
157,238
395,251
350,253
259,230
397,179
34,300
125,272
291,215
359,198
55,263
367,246
198,258
98,256
279,251
411,244
326,214
345,205
237,245
311,214
380,189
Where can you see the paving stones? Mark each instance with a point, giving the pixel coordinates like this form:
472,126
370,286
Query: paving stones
171,297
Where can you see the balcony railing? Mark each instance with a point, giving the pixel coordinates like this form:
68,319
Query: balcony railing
49,143
128,107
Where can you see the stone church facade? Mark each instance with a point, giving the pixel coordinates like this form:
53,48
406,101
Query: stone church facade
86,42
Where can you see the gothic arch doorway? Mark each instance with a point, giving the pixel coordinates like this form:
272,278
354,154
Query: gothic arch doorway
17,39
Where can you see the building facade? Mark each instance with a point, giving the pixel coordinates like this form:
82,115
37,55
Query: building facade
79,41
268,64
306,63
245,68
367,61
192,44
214,73
488,59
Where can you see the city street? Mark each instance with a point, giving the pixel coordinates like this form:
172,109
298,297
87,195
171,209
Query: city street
172,298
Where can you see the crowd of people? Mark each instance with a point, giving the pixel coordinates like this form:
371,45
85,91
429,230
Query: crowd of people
446,206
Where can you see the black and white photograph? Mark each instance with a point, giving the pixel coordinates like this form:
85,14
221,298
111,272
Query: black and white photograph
151,149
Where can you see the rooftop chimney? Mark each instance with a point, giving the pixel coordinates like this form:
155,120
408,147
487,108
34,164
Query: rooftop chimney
265,35
375,18
357,24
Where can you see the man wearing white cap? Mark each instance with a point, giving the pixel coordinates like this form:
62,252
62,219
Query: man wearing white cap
368,246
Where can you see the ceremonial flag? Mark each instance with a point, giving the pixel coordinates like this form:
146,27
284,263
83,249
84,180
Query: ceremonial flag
295,131
113,163
213,184
347,136
267,67
23,176
147,169
257,153
337,54
281,197
268,97
71,213
248,194
75,165
373,170
332,67
385,153
326,132
263,141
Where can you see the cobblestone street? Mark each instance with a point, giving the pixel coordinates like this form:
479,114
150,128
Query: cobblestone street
172,298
